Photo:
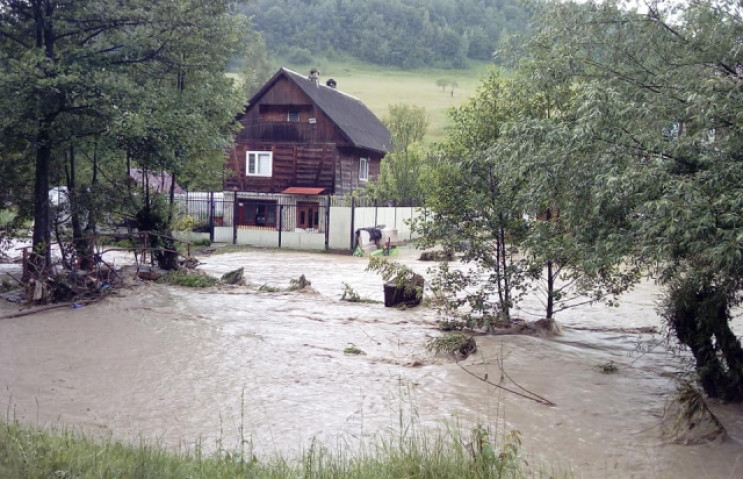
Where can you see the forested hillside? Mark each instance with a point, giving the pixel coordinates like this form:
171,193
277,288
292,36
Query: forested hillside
405,33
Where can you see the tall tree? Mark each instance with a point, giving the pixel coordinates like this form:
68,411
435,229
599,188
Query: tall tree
657,102
82,69
403,171
470,212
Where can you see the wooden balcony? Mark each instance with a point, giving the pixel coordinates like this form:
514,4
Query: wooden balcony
284,131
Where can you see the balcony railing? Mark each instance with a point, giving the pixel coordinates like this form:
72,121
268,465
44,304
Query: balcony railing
284,131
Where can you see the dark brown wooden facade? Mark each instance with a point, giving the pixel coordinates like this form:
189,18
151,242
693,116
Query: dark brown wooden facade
316,135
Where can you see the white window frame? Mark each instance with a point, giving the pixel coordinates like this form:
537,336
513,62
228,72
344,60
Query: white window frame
257,170
292,116
364,169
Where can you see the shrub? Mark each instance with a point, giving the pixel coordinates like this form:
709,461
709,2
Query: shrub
195,279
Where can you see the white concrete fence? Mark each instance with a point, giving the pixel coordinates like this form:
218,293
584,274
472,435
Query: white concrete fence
338,220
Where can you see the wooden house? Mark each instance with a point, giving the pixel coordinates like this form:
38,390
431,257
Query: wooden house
302,137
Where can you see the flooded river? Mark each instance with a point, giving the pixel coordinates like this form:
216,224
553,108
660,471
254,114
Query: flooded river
179,366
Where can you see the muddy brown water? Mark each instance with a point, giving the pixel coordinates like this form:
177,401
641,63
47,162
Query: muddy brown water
180,366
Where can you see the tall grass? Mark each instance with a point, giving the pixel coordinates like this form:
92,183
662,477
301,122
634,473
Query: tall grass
30,452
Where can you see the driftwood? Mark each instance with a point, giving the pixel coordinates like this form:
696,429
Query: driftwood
526,394
40,309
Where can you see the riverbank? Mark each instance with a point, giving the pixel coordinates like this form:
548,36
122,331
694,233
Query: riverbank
27,452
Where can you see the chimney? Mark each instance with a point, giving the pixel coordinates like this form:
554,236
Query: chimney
331,83
315,76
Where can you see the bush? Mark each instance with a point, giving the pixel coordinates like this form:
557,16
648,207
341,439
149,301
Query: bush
459,345
196,279
300,55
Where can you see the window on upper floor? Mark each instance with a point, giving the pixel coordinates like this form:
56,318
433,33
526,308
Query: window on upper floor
364,169
259,163
293,115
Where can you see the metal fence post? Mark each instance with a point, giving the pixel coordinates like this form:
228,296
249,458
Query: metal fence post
234,218
281,222
211,217
327,222
353,216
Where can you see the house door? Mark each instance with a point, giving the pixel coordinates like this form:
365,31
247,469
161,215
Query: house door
308,215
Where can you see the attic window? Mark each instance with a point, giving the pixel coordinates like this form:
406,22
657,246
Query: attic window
292,115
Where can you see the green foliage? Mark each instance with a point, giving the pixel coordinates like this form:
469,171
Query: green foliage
625,139
188,279
256,68
299,284
7,284
202,242
403,172
350,295
353,350
185,223
267,288
447,343
607,368
141,83
401,275
442,83
404,33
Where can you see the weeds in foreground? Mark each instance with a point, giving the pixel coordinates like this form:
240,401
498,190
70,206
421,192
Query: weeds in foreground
28,452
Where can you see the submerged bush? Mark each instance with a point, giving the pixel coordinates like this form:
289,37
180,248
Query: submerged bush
189,279
458,345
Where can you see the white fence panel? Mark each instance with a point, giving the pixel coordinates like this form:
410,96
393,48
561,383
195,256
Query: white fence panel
268,238
340,228
303,241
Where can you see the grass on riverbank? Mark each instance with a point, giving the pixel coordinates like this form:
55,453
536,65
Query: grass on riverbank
28,452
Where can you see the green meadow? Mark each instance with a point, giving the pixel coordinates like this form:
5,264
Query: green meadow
378,87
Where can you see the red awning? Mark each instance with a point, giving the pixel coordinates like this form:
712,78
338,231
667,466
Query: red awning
303,190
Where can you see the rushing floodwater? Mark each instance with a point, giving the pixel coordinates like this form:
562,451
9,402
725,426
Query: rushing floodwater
177,366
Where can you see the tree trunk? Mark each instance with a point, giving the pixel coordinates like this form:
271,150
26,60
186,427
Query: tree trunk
41,258
699,314
550,280
504,266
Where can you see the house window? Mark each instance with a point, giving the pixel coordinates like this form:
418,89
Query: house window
293,115
257,213
259,163
363,169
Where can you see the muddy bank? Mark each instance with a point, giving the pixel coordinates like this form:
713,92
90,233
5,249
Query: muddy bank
177,365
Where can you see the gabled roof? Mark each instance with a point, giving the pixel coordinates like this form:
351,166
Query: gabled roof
355,120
